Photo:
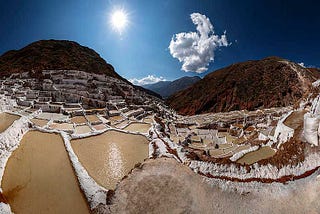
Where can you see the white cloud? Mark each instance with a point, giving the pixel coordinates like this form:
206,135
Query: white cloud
150,79
196,49
302,64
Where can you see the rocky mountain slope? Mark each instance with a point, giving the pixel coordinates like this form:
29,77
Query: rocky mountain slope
64,71
167,88
54,55
265,83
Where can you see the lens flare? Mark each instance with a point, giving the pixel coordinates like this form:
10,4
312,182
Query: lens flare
119,20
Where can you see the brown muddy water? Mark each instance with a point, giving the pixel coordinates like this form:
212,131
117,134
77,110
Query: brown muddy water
110,156
6,120
62,126
138,127
78,119
148,120
82,129
39,177
93,118
255,156
39,122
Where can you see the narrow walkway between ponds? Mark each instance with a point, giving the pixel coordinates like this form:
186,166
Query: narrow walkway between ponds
39,177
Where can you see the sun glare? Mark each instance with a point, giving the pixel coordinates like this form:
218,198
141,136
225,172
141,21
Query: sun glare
119,20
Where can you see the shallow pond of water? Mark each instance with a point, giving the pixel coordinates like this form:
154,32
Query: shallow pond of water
260,154
82,129
39,177
78,119
39,122
148,120
6,120
62,126
93,118
110,156
138,127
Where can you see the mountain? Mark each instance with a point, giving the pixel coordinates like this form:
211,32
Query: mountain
54,55
58,55
265,83
167,88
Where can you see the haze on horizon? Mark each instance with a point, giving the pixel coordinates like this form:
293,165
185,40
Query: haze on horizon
165,40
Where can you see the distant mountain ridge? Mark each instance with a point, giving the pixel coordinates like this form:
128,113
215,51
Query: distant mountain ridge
167,88
270,82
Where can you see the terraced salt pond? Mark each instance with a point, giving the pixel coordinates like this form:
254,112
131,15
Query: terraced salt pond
6,120
110,156
39,122
148,120
82,129
39,177
93,118
260,154
62,126
78,119
138,127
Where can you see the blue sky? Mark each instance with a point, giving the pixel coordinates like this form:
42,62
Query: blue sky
256,29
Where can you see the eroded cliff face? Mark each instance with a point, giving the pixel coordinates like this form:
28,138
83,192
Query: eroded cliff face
270,82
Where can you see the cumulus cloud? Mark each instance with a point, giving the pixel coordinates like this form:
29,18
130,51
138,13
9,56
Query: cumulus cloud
150,79
302,64
196,49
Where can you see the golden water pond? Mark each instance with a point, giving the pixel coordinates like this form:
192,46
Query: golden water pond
255,156
39,177
110,156
138,127
6,120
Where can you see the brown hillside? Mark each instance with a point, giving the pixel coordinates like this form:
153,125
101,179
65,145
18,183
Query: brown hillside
265,83
54,54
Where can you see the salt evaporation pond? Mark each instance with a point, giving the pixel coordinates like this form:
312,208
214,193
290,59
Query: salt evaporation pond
6,120
252,157
39,177
138,127
39,122
110,156
78,119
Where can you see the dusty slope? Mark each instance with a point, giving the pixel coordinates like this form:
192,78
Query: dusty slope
164,186
269,82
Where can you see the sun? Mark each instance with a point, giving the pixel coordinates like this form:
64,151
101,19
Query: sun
119,20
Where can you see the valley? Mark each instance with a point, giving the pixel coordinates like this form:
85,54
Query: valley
107,146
